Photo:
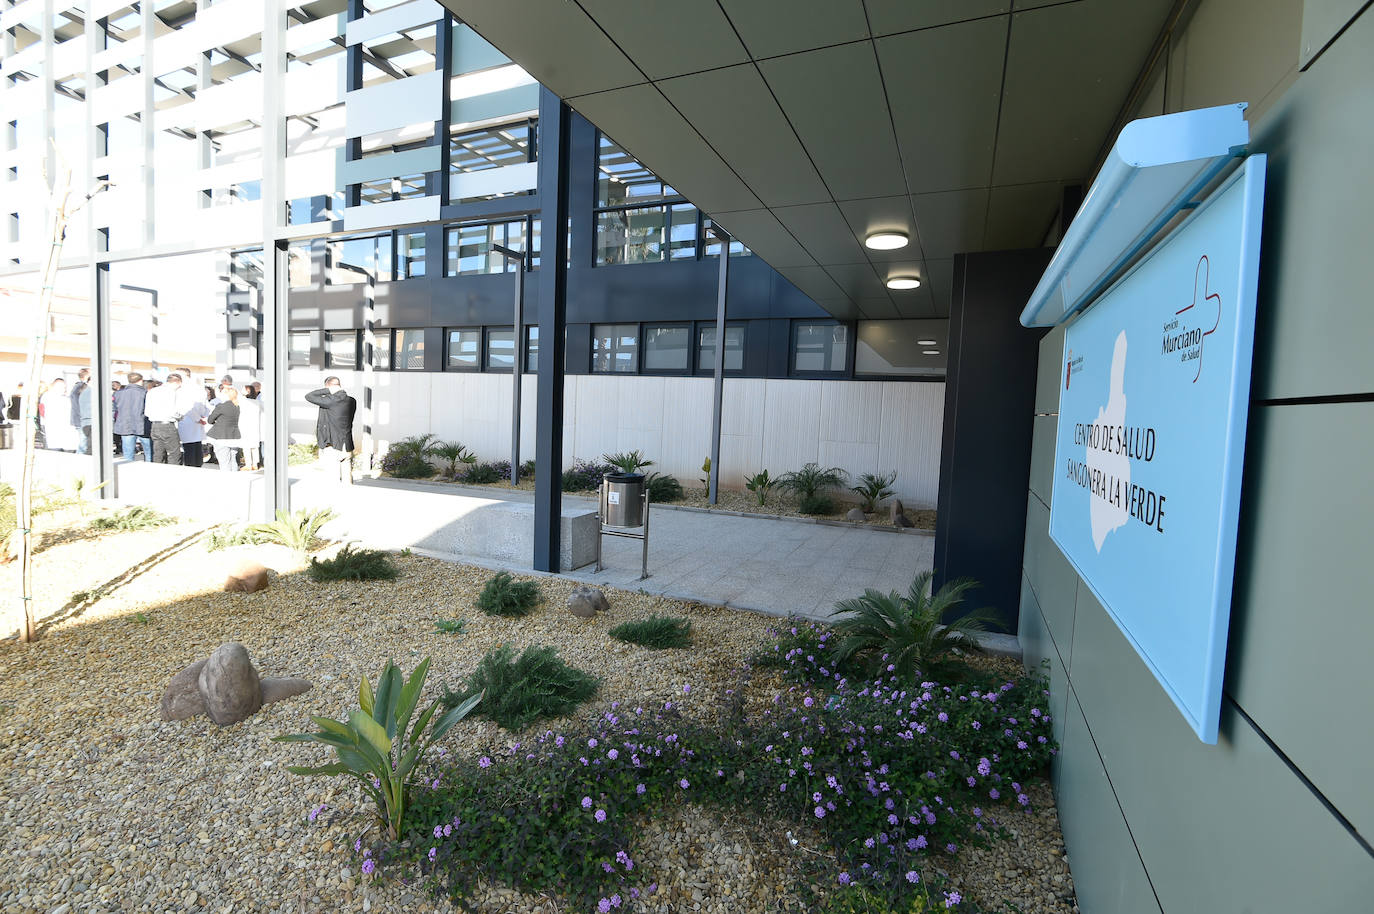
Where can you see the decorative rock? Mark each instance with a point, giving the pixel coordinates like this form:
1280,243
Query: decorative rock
182,699
230,685
902,521
856,515
585,602
247,576
276,688
897,511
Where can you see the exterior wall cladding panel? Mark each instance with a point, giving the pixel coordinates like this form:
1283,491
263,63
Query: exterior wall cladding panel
355,126
1279,815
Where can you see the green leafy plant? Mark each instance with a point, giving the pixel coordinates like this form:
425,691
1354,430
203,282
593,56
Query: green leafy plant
297,530
527,469
409,457
450,626
137,517
812,480
454,453
761,484
584,475
912,633
628,462
354,565
482,473
706,482
873,488
520,690
655,632
663,487
378,746
230,535
816,504
301,454
505,596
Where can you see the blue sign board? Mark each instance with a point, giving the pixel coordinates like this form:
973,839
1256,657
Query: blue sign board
1151,440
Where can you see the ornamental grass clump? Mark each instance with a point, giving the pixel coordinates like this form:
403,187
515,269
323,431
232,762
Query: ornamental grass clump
378,746
354,565
663,488
656,632
521,690
409,457
137,517
872,489
908,634
505,596
890,778
584,475
297,530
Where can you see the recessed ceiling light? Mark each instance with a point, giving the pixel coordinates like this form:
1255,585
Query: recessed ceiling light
930,351
927,342
903,282
886,241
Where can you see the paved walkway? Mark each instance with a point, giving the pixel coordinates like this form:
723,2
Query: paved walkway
775,566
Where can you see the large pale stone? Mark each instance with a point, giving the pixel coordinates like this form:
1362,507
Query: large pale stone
856,515
246,576
182,699
230,685
897,510
276,688
585,602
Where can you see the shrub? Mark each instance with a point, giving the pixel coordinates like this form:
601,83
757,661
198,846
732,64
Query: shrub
454,453
301,454
450,626
354,565
812,479
908,633
505,596
527,469
137,517
377,746
760,484
487,472
873,488
297,530
520,690
409,458
584,475
816,504
663,487
803,651
627,462
884,778
230,535
655,632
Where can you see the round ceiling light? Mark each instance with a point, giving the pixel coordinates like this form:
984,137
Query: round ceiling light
926,342
903,282
886,241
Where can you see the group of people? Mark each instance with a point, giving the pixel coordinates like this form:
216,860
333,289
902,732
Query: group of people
170,422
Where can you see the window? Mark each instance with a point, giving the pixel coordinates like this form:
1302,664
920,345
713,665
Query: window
531,349
639,219
819,346
409,351
353,260
298,265
615,348
910,348
410,255
712,247
241,348
488,148
500,355
381,351
464,347
734,348
667,348
341,349
298,349
470,246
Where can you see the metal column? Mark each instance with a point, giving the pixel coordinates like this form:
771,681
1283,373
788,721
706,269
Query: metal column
517,366
718,394
554,117
277,482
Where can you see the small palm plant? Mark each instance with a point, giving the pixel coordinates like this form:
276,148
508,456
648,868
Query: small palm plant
812,480
910,632
297,531
872,489
760,484
630,462
377,745
454,453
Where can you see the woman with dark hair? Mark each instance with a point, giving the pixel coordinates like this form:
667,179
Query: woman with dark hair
224,430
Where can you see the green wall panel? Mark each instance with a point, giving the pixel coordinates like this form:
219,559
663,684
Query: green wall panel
1051,577
1107,872
1220,828
1039,655
1050,372
1043,434
1302,628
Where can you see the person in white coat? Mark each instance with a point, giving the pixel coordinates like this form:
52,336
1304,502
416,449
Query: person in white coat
250,428
61,434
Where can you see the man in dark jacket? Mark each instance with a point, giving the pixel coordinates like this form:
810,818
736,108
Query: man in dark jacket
334,428
130,422
79,390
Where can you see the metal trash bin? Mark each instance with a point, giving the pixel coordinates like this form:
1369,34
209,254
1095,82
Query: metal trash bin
623,499
6,436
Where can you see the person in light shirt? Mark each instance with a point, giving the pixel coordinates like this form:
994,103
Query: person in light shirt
164,407
191,427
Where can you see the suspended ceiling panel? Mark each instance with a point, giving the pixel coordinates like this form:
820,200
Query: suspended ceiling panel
802,126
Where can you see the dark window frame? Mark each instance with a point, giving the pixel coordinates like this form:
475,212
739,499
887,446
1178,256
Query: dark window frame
666,203
293,360
846,372
357,350
487,331
395,351
378,334
640,350
708,372
448,350
531,330
530,260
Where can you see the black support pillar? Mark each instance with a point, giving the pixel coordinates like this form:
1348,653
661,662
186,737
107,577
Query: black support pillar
554,119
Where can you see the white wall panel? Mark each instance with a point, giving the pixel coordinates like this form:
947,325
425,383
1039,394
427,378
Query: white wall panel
391,212
791,423
317,86
910,434
503,180
401,16
415,100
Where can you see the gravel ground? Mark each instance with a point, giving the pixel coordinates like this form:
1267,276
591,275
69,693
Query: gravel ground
105,807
